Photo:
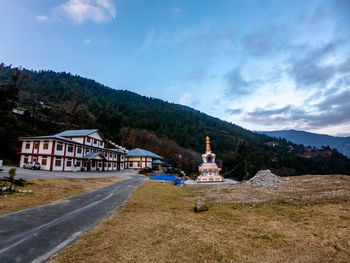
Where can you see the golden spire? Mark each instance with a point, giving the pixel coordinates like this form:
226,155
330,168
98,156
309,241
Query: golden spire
207,149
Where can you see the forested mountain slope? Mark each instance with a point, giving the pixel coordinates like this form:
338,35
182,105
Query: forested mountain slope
53,102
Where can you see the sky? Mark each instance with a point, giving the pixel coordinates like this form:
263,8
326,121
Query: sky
263,65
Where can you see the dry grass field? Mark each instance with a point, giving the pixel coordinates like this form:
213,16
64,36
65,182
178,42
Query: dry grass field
305,220
48,190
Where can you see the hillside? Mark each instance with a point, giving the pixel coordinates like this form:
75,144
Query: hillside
342,144
53,102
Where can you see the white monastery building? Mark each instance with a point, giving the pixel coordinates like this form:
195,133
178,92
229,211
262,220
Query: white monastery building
73,150
140,159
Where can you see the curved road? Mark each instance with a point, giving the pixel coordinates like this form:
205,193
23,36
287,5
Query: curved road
33,235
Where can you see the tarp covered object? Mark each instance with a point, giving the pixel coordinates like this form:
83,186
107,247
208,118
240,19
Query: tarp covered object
166,177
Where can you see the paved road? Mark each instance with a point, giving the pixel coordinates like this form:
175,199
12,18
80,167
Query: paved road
33,235
38,174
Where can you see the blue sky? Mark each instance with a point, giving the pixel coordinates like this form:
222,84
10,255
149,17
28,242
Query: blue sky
263,65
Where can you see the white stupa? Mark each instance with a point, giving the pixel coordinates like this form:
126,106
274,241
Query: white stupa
209,171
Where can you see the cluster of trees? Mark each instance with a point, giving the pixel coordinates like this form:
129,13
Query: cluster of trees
75,102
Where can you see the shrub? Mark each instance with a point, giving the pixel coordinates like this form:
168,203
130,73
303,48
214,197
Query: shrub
12,174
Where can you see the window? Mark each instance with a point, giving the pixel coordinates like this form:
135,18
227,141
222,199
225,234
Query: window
25,159
114,156
87,151
70,148
100,164
44,160
101,143
36,145
79,150
105,154
131,164
77,163
93,164
27,145
109,165
110,155
59,147
114,164
69,162
35,159
88,139
46,145
95,141
58,162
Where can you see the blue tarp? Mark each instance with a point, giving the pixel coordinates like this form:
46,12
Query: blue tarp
166,177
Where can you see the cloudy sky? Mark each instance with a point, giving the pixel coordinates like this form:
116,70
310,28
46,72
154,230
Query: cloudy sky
263,65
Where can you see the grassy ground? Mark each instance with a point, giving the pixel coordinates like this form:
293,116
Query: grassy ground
158,224
49,190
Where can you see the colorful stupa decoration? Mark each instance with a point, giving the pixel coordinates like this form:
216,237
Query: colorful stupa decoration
209,171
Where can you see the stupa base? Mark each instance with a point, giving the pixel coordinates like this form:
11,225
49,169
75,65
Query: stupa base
209,179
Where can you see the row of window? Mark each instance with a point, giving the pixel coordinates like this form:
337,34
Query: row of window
36,145
70,149
95,141
58,162
35,159
131,164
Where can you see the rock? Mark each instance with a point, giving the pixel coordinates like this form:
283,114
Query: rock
265,178
200,206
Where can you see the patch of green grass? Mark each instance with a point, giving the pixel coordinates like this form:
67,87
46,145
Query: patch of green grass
270,236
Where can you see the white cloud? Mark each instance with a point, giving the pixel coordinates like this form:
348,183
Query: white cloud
191,36
148,40
171,88
87,41
188,100
80,11
41,18
176,10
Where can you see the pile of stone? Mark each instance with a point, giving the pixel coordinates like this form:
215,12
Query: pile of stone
265,178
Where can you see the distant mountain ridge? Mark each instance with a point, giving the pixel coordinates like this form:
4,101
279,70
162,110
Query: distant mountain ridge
342,144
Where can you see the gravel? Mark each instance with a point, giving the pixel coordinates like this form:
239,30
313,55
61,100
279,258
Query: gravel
265,178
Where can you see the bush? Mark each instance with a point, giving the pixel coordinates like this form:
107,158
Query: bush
12,174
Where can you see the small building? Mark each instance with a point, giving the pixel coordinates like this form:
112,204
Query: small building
140,159
72,150
157,165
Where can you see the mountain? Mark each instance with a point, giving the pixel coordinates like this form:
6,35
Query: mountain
47,102
342,144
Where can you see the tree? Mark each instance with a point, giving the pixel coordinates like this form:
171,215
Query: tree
238,163
241,156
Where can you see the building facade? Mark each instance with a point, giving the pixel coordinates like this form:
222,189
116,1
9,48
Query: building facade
140,159
73,150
